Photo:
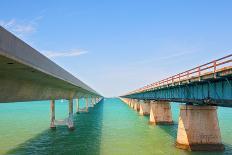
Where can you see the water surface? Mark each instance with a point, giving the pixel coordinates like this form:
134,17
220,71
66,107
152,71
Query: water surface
110,128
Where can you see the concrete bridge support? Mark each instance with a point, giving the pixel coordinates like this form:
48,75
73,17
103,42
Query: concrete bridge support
52,114
132,103
128,101
198,129
67,121
86,104
77,105
91,103
136,105
160,113
144,108
70,115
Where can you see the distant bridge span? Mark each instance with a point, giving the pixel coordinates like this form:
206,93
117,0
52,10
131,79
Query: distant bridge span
202,89
208,84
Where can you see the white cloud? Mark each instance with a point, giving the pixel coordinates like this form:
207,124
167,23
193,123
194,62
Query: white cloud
21,28
73,53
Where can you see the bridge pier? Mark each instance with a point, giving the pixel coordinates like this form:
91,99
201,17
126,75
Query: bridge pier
132,103
91,103
77,105
127,101
136,105
70,115
160,113
198,129
144,108
86,104
52,113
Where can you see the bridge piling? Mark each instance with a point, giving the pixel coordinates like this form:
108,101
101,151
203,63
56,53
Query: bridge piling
144,108
77,105
132,103
86,104
52,114
92,102
70,115
198,129
136,105
160,113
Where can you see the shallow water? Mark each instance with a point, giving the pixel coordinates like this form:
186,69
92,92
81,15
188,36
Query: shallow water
111,127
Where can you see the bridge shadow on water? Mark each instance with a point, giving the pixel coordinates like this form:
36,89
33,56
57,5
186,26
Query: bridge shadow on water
85,139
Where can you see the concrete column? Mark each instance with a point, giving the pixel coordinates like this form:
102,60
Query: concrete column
136,105
132,103
87,104
144,108
160,113
127,101
77,105
93,102
52,114
70,115
198,129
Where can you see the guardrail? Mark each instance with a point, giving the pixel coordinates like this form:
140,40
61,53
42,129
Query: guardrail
208,68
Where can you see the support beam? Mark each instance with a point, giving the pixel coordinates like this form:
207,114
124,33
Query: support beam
144,108
160,113
95,101
132,103
198,129
86,104
129,102
136,105
70,115
52,114
77,105
92,102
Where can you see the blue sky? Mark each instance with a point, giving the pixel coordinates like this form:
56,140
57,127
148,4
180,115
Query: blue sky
118,46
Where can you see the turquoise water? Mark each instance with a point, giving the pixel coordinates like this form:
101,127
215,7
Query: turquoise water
110,128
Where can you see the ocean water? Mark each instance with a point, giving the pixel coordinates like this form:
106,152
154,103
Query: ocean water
110,128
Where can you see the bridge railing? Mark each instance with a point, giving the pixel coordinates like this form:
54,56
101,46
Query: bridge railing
208,68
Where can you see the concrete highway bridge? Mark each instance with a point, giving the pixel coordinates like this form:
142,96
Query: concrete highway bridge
27,75
201,89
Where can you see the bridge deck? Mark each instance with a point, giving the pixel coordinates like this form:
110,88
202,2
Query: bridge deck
26,75
209,84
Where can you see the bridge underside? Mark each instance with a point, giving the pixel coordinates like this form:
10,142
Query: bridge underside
205,92
27,75
19,82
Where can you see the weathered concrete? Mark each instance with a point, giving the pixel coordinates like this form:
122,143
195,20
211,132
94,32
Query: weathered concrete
77,105
198,129
52,113
144,108
132,103
136,104
27,75
70,115
160,113
86,104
